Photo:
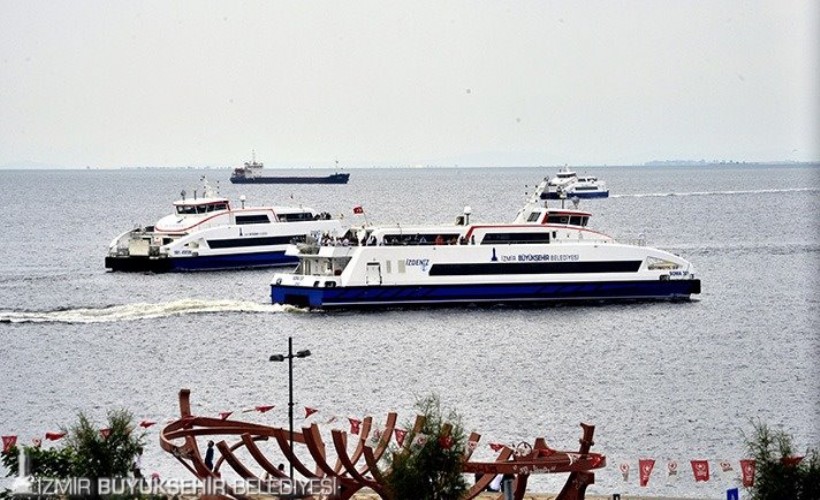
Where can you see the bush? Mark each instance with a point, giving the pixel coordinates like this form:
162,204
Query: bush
774,479
431,471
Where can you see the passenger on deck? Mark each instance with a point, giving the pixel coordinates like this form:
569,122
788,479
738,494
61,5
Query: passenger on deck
439,240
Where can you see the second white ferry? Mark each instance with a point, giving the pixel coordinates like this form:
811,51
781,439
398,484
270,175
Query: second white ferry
206,233
546,254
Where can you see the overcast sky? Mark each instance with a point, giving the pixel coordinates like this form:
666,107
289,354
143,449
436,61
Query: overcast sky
473,83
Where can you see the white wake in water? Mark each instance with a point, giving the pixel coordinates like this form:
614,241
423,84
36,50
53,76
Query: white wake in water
131,312
713,193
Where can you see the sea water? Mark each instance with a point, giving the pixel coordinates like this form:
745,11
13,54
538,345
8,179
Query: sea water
668,381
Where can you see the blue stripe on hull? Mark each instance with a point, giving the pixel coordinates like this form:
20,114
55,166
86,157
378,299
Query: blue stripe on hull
375,296
581,195
236,261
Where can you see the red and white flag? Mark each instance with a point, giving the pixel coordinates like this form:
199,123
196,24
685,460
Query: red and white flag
445,442
791,461
672,468
700,468
497,446
146,424
645,467
54,436
36,442
747,470
624,470
472,445
263,409
400,433
309,411
105,433
358,210
8,443
375,437
354,425
419,441
725,466
225,414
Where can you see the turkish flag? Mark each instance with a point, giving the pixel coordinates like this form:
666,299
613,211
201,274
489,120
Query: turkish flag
700,468
225,414
263,409
791,461
496,446
54,436
354,425
747,469
8,443
445,442
310,411
400,433
358,209
146,424
645,467
105,433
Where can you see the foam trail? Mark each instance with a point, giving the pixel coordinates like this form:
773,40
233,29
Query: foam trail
715,193
132,312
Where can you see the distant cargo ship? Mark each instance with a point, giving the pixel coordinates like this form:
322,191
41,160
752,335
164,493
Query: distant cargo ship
251,173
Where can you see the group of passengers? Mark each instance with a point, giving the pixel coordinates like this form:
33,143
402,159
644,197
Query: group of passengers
351,239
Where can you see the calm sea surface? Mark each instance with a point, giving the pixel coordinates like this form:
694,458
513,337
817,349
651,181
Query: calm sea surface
665,381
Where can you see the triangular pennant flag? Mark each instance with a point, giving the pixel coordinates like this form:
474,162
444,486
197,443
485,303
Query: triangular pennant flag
420,440
225,414
791,461
645,467
54,436
146,424
400,433
354,425
624,470
700,468
105,433
446,442
8,443
747,470
375,437
309,411
496,446
358,209
725,466
263,409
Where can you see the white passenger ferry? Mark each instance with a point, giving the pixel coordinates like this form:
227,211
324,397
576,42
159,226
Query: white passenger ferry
546,254
205,233
568,184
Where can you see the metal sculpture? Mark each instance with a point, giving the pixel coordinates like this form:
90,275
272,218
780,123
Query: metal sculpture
352,472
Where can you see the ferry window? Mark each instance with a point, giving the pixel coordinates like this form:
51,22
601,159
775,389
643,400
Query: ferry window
558,219
584,221
534,216
575,220
509,238
387,267
252,219
296,217
186,209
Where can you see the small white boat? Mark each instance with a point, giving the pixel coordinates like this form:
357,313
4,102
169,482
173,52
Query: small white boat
568,184
546,254
206,233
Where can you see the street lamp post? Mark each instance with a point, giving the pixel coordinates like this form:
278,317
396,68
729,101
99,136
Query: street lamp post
281,357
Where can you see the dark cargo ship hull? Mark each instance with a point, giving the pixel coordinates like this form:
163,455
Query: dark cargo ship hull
330,179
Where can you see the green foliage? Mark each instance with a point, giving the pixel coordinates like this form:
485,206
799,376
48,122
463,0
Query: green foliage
774,479
43,462
431,471
96,456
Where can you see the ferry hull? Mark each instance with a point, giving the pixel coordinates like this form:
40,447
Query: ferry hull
417,295
581,195
202,263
